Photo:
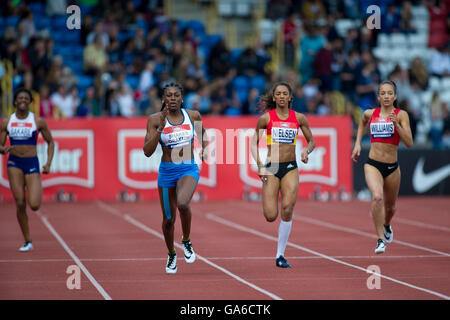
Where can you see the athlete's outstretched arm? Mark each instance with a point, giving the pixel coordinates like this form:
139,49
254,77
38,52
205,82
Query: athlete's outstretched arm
401,123
361,129
304,125
47,135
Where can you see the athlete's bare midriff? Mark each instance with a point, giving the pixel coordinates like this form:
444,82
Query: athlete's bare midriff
383,152
182,154
281,153
24,151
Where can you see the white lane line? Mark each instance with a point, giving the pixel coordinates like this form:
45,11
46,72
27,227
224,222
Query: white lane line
269,237
358,232
365,234
380,257
49,226
157,234
421,224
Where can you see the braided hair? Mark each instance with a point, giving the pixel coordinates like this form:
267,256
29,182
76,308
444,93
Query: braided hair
266,102
172,85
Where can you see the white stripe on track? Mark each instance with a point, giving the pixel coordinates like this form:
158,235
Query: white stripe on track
365,234
421,224
269,237
94,282
157,234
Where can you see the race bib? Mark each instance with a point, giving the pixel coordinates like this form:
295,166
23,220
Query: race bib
21,130
178,136
284,132
380,128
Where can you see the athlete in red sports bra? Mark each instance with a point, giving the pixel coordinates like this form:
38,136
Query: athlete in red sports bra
388,125
280,173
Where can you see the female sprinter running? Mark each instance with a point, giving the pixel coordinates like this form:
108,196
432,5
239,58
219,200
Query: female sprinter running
280,173
23,128
173,127
388,125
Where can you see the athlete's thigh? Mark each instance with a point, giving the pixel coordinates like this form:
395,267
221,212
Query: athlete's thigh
168,201
289,190
185,189
374,180
16,180
270,191
391,188
34,189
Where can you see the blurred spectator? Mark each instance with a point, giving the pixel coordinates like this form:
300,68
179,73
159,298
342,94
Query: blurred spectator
351,10
298,99
151,102
26,28
200,100
438,114
56,7
310,44
55,72
98,33
146,79
390,20
250,106
349,75
64,102
68,79
129,15
125,102
39,59
291,34
325,106
418,73
406,18
89,106
87,26
440,62
313,10
219,59
322,66
94,57
366,86
45,103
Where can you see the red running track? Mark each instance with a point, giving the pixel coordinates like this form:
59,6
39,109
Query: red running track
121,253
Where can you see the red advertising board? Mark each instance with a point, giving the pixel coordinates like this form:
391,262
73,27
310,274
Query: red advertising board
103,158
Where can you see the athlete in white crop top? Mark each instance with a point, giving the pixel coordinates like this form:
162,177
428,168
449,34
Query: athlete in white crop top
23,127
174,127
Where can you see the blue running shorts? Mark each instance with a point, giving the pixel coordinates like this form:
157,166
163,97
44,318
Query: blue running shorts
170,172
27,165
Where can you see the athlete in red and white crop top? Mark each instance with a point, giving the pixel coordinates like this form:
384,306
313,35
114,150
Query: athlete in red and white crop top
382,129
282,131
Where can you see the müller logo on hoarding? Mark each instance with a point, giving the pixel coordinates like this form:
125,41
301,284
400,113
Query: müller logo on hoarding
139,172
322,167
73,159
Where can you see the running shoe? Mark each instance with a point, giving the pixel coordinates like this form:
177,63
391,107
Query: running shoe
28,246
388,233
171,267
282,263
381,246
189,254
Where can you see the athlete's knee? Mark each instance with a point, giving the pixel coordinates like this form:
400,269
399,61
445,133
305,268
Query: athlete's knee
35,205
21,205
270,215
183,206
287,208
377,199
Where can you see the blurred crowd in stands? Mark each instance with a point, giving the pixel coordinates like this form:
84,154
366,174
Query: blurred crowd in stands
126,51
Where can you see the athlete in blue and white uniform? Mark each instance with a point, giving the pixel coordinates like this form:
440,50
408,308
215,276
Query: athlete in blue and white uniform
174,128
23,128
